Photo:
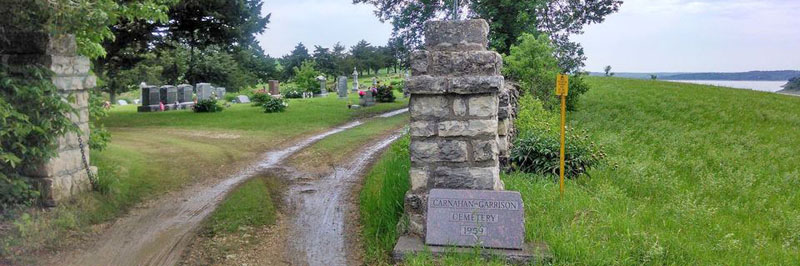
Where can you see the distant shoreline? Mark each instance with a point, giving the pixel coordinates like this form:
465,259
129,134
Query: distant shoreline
772,75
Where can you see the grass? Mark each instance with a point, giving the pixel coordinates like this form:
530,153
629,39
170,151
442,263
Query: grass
152,153
251,204
337,147
381,202
695,175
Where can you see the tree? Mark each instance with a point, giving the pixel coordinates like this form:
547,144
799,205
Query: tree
792,85
653,77
399,51
607,69
508,20
294,59
361,53
340,56
306,76
326,63
226,24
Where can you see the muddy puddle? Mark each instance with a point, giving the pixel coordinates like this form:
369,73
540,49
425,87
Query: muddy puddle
157,233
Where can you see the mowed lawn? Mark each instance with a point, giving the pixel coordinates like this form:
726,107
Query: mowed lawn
695,175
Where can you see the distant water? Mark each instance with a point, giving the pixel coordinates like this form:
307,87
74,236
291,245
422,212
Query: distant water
770,86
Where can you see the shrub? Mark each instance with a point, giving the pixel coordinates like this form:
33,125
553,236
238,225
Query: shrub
306,77
293,94
208,106
260,98
229,97
385,94
99,135
275,105
32,116
532,64
537,147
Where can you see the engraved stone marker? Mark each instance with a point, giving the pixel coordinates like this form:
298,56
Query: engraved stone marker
203,91
169,94
185,93
322,90
150,96
243,99
492,219
342,87
274,87
220,92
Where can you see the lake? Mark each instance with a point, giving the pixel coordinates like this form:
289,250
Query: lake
770,86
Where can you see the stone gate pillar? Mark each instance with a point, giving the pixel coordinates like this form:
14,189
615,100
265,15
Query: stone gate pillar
454,114
64,175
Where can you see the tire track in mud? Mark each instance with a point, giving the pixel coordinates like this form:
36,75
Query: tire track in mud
158,234
320,208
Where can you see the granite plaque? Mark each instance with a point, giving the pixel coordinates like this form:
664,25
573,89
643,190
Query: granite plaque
341,87
203,91
486,218
274,87
243,99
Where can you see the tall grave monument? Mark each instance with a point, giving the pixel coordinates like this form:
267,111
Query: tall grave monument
341,86
456,200
355,79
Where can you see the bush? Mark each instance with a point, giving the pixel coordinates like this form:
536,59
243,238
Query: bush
275,105
208,106
385,94
306,77
260,99
99,135
532,64
229,97
32,116
537,147
293,94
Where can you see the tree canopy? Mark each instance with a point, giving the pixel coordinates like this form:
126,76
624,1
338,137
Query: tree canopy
508,20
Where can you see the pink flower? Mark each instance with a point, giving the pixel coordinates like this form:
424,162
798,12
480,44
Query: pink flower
362,93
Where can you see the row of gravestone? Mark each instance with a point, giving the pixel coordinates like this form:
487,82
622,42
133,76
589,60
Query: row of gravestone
170,97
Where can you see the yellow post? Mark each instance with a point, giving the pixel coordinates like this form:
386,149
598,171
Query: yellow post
562,87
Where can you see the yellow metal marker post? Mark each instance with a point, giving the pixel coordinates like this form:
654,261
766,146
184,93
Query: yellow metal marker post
562,87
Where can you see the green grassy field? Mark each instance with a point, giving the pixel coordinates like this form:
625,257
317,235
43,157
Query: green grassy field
152,153
695,175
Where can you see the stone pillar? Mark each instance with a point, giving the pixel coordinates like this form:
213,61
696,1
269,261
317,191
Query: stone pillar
65,174
506,112
454,90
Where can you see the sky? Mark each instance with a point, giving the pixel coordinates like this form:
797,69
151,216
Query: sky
644,36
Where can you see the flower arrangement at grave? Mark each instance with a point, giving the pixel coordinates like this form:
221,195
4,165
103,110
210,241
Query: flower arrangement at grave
384,94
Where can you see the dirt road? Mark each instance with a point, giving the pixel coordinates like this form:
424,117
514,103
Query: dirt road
158,233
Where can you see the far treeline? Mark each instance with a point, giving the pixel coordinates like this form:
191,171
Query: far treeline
775,75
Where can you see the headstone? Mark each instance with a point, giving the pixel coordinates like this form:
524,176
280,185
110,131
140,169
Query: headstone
169,94
341,86
220,91
274,87
322,82
136,101
486,218
374,81
355,79
150,96
185,93
405,85
122,102
243,99
203,91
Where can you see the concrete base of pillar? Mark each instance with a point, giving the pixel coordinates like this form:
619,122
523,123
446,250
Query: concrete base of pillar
536,253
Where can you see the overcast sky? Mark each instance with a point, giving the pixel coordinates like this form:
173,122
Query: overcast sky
644,36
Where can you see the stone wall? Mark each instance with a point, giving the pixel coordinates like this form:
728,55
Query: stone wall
64,175
507,111
455,87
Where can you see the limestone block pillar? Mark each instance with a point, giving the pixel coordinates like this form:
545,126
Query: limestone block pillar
65,174
454,88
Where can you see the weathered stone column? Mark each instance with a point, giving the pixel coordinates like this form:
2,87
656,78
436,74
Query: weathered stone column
64,175
454,114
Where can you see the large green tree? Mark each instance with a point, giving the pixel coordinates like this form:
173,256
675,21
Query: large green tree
326,62
508,20
227,24
294,59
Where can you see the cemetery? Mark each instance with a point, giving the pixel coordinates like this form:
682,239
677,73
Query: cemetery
465,140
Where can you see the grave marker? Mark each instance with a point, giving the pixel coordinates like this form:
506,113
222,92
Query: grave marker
242,99
185,93
341,86
169,94
274,87
203,91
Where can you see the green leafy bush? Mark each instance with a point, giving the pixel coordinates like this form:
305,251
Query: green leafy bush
537,147
208,106
293,94
32,116
99,137
275,105
533,65
306,77
385,94
260,99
